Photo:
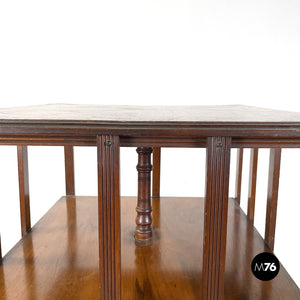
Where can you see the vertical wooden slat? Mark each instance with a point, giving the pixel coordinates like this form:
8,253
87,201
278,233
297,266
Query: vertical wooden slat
215,218
108,150
2,277
239,174
273,185
24,188
252,184
69,170
0,249
156,172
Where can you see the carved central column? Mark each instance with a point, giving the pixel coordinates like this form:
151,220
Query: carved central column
144,209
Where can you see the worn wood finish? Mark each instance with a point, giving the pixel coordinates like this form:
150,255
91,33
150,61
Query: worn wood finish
143,219
215,217
69,170
239,174
126,113
273,185
24,188
66,257
108,149
65,120
252,184
0,250
156,172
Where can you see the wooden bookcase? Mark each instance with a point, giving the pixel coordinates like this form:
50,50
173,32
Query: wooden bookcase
179,248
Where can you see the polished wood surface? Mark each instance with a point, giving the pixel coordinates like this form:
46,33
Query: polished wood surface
156,172
24,188
58,259
252,184
143,218
272,197
108,153
215,217
69,170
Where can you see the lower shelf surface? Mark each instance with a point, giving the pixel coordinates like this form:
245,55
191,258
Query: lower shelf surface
58,258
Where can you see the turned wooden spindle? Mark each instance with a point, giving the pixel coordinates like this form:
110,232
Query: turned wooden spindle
144,209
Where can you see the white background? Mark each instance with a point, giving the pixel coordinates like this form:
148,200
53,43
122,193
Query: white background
145,53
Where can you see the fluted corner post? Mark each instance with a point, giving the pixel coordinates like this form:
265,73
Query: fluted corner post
108,150
144,209
215,217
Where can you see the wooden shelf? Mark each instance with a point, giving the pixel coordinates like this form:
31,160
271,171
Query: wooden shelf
58,258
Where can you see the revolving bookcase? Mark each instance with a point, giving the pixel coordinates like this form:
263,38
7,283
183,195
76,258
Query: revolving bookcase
146,247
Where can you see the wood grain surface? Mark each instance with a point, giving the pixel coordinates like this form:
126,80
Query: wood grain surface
58,259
